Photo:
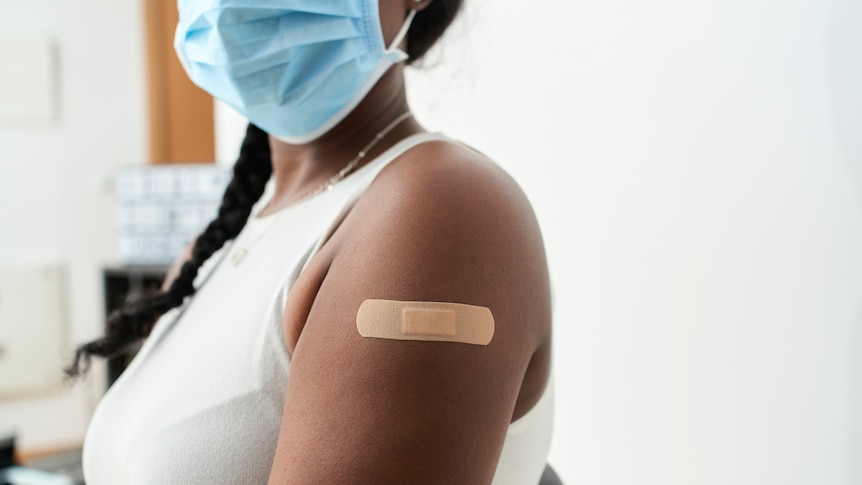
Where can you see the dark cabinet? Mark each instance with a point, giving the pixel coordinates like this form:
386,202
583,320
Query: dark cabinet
121,283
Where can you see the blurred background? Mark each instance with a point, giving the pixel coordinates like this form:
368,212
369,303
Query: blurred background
696,168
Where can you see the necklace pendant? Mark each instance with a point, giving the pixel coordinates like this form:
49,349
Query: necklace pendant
238,256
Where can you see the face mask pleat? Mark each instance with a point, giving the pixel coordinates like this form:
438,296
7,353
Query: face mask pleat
304,29
296,80
217,18
220,87
337,8
303,70
303,102
251,48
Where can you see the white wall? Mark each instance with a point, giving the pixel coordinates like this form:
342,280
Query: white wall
55,200
696,167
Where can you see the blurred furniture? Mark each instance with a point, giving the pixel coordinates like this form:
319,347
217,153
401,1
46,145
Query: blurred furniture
66,464
56,469
161,209
120,283
549,477
7,451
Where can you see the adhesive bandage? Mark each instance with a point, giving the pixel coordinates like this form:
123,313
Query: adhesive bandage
429,321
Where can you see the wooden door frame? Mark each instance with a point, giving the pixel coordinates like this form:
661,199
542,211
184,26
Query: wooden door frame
182,125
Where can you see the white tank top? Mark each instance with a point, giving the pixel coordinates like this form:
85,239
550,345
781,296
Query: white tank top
201,403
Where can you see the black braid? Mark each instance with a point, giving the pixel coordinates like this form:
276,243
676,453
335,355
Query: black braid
135,321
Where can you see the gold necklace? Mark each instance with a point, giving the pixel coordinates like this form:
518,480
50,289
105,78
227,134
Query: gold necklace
241,251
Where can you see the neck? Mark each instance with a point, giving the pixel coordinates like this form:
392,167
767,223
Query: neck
299,169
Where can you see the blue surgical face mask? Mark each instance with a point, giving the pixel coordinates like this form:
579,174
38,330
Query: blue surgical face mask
294,68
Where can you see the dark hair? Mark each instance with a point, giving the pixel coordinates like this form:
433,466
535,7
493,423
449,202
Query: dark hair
429,25
135,321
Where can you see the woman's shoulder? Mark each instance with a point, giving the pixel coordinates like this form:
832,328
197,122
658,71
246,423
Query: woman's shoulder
444,222
453,179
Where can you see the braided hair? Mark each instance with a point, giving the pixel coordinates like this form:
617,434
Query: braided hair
128,325
134,322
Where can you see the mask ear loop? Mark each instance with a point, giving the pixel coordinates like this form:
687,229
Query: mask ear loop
403,32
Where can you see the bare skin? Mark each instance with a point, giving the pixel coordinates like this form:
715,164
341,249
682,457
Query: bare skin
441,223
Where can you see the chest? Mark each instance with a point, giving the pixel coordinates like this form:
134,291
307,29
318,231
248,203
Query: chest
202,401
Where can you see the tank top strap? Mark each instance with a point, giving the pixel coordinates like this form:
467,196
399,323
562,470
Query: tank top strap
369,173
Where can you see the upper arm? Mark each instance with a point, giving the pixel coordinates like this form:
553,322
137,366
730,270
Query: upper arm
367,410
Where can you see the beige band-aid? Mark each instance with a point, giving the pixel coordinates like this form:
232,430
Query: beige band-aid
429,321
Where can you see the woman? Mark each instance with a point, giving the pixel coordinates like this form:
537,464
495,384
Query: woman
271,372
